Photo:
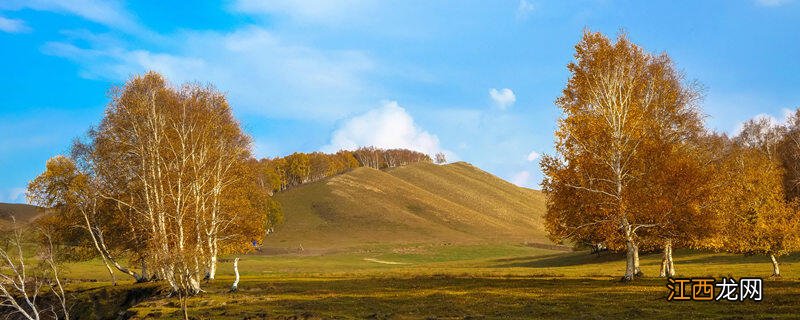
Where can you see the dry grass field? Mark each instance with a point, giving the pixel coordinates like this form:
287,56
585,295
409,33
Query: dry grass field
448,282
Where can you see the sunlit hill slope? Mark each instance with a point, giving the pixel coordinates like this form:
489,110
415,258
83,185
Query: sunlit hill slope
22,213
419,203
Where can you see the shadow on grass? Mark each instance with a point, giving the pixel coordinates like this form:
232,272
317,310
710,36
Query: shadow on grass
731,258
557,260
649,258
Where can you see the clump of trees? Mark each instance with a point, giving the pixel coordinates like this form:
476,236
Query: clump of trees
761,213
281,173
636,170
388,158
163,186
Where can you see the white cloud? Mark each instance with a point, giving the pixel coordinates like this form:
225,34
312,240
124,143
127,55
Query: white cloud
521,178
261,72
389,126
502,98
533,156
772,3
524,9
13,25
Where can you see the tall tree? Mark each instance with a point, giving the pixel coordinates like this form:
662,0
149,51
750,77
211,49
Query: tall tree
298,168
620,105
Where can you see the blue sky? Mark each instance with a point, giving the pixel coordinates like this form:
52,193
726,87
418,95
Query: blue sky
474,79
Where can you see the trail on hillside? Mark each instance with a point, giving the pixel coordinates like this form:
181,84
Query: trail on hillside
383,262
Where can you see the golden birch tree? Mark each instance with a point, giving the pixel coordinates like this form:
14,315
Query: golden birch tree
620,105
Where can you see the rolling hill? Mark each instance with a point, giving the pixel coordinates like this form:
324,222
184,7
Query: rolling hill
23,213
418,203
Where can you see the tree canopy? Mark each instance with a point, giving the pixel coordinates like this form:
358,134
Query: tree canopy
627,127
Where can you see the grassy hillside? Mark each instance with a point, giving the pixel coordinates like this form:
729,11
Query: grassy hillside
23,213
419,203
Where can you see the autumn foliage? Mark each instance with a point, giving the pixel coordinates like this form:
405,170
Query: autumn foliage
162,187
636,170
627,115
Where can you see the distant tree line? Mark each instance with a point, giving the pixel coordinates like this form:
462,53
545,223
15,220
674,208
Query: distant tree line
636,169
281,173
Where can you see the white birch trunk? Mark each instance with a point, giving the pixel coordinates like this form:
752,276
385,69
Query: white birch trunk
212,268
667,267
235,286
636,270
671,266
97,247
776,269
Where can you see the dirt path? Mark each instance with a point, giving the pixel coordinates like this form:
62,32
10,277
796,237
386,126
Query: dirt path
383,262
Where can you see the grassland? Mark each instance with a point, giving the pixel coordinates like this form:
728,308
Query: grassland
451,282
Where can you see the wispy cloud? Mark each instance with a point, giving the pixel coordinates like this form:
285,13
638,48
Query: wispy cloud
13,25
533,156
502,98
